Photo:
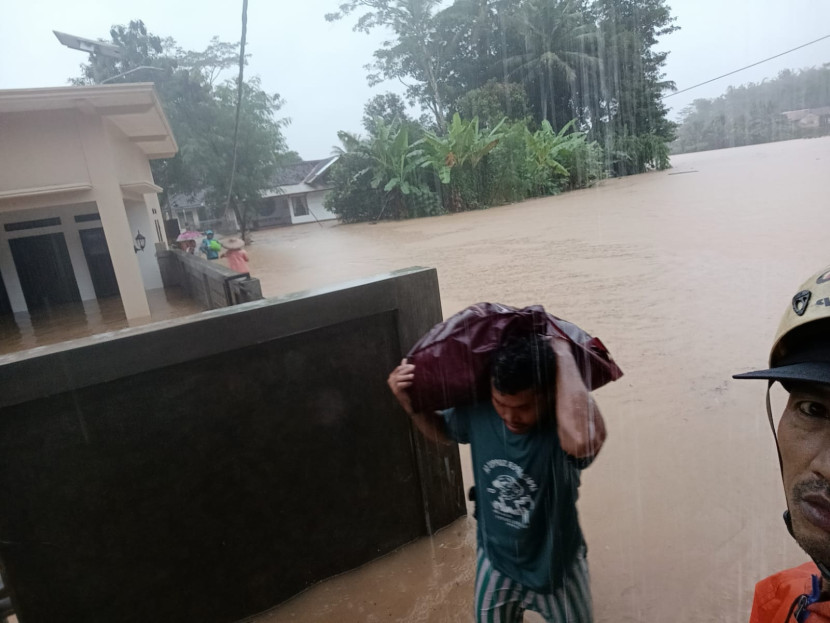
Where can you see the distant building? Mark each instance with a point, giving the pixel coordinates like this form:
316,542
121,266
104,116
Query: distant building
79,215
297,197
810,118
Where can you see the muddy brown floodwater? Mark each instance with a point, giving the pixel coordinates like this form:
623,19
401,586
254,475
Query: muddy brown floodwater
683,274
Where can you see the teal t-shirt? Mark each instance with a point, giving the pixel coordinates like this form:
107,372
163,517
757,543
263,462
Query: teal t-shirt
526,492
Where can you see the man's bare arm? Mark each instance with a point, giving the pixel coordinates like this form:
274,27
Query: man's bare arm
578,419
431,425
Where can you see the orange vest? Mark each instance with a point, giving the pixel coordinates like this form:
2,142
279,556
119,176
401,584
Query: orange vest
774,597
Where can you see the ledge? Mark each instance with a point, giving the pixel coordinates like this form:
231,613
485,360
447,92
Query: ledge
37,191
139,189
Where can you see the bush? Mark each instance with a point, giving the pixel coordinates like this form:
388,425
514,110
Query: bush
631,154
585,165
506,173
353,199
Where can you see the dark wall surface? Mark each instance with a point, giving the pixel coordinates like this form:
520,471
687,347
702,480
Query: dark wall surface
210,468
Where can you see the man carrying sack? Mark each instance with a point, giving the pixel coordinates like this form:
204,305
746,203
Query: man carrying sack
529,441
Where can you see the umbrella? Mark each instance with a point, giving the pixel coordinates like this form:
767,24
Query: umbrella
233,243
188,235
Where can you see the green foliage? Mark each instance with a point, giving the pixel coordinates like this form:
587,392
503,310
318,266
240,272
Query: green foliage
585,163
464,143
258,155
353,199
752,113
633,84
552,49
415,53
639,153
389,108
390,180
494,102
395,164
561,160
201,110
590,60
507,167
454,158
511,72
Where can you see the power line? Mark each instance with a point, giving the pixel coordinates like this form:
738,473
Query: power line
747,67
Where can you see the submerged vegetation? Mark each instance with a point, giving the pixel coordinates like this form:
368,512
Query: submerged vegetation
524,98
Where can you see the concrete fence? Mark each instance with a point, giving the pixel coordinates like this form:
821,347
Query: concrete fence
209,283
208,468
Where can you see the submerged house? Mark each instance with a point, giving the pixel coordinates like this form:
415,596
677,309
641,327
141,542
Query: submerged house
79,215
298,195
810,118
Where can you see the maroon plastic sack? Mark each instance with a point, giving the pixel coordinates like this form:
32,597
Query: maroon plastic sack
452,361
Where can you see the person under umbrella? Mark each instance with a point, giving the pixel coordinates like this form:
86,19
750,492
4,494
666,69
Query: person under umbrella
187,240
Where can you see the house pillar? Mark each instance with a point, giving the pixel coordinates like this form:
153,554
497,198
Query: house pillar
72,235
120,239
11,279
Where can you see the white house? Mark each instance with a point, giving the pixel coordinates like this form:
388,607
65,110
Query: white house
810,118
298,195
79,215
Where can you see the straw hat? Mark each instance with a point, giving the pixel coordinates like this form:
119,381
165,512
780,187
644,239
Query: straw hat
233,243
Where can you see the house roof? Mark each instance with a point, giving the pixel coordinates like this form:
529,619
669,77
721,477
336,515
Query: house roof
134,108
186,201
290,180
798,115
305,172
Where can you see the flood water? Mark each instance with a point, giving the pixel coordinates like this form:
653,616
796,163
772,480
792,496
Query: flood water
684,275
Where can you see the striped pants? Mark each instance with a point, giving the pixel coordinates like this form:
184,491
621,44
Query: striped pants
498,599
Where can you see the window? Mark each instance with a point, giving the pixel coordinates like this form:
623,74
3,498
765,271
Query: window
86,218
300,205
43,222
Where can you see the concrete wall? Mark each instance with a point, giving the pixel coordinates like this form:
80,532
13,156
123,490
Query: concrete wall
207,282
315,206
139,220
40,149
208,468
69,148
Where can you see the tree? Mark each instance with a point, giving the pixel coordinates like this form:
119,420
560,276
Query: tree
416,54
457,153
753,113
553,46
389,108
260,144
633,83
380,177
199,105
548,151
493,102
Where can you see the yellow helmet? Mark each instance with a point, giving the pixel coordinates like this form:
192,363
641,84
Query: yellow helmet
801,349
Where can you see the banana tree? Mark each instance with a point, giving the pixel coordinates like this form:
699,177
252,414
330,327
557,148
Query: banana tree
546,150
459,151
395,166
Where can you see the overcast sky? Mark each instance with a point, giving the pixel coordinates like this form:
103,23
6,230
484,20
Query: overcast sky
318,67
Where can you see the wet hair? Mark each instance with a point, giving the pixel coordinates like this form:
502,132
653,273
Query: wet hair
523,362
